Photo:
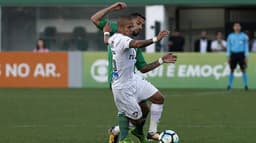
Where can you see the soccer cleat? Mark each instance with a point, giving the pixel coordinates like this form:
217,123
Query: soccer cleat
141,137
246,88
153,136
113,138
126,140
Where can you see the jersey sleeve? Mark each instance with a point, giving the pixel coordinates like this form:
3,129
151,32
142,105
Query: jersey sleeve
140,61
125,41
103,22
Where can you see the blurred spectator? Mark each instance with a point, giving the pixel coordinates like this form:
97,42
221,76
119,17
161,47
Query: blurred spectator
253,48
50,37
219,44
79,38
176,42
40,47
203,44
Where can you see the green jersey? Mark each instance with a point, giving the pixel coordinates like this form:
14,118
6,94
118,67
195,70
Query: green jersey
140,61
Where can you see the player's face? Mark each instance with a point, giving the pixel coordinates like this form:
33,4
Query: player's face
138,25
237,27
128,29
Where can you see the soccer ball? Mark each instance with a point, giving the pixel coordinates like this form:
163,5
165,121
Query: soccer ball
168,136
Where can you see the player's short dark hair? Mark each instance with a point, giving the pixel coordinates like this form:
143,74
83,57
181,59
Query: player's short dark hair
236,22
136,14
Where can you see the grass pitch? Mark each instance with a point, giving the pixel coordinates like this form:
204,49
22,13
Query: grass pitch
84,115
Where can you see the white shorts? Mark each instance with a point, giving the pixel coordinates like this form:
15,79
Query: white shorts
127,98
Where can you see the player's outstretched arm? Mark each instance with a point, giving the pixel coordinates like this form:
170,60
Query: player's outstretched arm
168,58
100,14
144,43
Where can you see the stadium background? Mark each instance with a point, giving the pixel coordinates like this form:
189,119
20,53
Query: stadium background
70,100
66,26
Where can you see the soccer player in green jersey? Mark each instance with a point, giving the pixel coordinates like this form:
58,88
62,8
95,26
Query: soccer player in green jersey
157,99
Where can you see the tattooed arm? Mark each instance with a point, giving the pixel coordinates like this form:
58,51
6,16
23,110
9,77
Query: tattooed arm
149,67
145,43
168,58
101,13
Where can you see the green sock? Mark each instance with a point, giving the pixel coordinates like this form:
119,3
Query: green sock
123,125
139,127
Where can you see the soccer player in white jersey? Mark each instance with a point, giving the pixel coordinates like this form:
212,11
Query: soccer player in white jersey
128,88
157,99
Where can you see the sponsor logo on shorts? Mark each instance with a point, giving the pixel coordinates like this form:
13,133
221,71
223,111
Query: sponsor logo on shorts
135,114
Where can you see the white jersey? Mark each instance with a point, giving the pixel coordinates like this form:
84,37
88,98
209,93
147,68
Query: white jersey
124,59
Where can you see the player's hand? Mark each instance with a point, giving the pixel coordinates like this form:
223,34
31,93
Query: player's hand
162,34
118,6
169,58
107,28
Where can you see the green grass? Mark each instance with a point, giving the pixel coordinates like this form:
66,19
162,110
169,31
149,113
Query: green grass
84,115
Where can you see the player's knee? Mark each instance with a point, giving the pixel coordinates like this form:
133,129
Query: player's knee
157,98
161,101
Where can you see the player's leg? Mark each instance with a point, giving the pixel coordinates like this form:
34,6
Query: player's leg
123,123
137,119
146,91
114,131
113,134
243,66
156,113
138,131
145,110
232,65
127,109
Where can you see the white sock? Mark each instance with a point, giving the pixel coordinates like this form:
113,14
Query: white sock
116,129
156,113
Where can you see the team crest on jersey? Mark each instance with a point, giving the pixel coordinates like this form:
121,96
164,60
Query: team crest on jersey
115,75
